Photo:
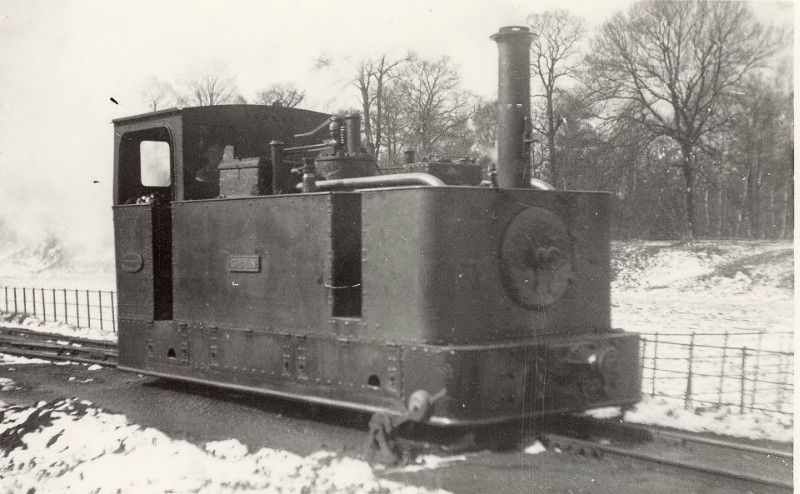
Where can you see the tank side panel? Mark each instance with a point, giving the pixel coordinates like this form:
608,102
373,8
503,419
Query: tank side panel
261,263
397,258
432,266
471,297
133,245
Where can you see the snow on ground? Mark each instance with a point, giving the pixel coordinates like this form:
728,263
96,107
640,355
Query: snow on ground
722,265
724,420
535,448
72,446
744,288
706,286
36,324
7,360
427,462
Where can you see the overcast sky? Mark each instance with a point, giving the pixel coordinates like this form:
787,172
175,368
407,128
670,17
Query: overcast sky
63,60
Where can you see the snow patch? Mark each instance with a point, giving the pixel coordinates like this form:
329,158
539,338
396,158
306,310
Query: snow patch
228,449
24,321
605,412
724,421
72,446
535,448
430,462
7,384
6,359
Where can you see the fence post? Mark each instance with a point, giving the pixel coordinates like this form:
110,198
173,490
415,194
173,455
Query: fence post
24,300
44,305
66,314
55,309
642,357
33,296
88,310
655,367
756,370
77,310
5,307
100,307
741,389
688,397
783,377
16,311
722,368
113,314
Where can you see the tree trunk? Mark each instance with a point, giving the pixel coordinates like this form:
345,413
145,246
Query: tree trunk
752,194
688,177
369,143
715,207
788,225
771,231
706,215
551,142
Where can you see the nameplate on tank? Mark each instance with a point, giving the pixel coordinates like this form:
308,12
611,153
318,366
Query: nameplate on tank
244,264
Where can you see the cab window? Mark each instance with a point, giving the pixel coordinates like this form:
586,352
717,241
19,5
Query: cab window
145,166
154,162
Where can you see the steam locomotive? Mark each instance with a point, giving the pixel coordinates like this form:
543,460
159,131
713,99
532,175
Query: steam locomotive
254,255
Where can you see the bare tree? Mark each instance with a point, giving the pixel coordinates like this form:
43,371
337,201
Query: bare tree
371,80
208,88
158,94
393,125
434,104
554,57
673,65
286,94
761,139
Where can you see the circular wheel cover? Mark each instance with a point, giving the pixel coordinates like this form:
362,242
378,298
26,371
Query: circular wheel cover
535,258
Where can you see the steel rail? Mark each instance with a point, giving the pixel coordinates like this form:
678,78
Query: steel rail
748,448
53,346
685,437
4,330
598,447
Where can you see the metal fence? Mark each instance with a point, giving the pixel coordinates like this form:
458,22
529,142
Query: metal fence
747,371
744,371
80,308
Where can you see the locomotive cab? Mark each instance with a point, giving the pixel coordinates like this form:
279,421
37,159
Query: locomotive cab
253,254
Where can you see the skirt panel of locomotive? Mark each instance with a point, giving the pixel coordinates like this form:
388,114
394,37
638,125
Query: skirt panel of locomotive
497,298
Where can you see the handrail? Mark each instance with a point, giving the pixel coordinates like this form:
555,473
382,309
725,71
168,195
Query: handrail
395,180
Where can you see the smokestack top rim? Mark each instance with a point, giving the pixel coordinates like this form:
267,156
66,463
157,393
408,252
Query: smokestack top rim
512,32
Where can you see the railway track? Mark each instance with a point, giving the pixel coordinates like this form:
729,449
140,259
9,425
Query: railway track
743,462
52,346
583,435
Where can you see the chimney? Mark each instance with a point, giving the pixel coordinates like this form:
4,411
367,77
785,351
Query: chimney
513,104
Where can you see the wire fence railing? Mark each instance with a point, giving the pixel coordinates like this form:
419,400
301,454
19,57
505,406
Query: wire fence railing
743,371
96,309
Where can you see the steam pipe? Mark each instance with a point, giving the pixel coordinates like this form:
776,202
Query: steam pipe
537,184
395,180
281,174
513,104
353,124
